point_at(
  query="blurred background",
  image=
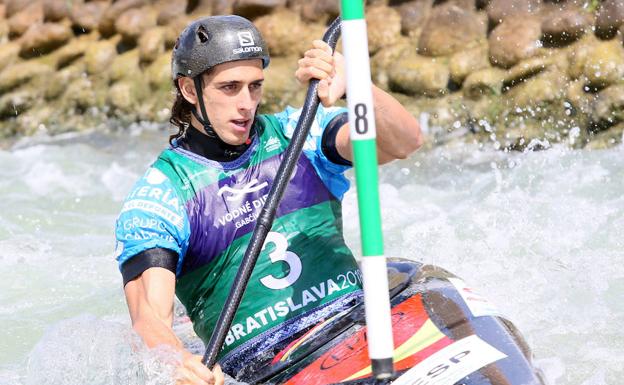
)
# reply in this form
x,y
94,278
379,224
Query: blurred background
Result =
x,y
517,190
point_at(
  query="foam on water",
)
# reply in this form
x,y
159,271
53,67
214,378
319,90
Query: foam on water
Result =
x,y
538,233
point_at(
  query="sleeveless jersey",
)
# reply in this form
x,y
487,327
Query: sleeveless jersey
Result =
x,y
206,210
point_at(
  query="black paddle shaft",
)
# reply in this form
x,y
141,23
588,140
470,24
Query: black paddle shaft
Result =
x,y
267,215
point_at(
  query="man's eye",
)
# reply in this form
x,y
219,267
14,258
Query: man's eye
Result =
x,y
228,87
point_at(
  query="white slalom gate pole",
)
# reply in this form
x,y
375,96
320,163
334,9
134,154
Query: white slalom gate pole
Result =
x,y
362,123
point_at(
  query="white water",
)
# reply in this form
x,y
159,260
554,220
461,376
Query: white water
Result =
x,y
539,233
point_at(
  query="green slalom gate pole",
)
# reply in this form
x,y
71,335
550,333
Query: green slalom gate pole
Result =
x,y
362,124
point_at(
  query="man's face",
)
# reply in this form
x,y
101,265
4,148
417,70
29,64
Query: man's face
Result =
x,y
232,92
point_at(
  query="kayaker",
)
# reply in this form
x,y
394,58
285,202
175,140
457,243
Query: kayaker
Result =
x,y
185,225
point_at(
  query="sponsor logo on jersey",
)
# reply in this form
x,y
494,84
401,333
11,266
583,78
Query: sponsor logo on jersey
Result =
x,y
154,176
342,283
235,194
272,144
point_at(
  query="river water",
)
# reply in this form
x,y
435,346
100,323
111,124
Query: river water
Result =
x,y
539,233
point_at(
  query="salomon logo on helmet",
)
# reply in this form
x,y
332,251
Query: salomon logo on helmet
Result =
x,y
245,38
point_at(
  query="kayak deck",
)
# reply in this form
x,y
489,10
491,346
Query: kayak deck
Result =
x,y
444,334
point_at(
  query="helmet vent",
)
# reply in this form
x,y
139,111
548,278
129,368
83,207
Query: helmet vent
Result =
x,y
202,34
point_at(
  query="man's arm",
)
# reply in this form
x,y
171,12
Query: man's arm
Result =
x,y
398,132
150,302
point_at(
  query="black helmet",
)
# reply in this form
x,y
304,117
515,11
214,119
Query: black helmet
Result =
x,y
213,40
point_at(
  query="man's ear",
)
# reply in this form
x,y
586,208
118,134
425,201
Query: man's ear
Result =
x,y
187,88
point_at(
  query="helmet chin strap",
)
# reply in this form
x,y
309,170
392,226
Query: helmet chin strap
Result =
x,y
204,118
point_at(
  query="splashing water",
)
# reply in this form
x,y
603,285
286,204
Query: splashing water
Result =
x,y
538,233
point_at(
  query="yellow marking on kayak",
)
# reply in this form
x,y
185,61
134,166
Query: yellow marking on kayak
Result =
x,y
427,335
305,338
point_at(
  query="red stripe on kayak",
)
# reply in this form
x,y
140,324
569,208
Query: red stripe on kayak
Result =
x,y
349,360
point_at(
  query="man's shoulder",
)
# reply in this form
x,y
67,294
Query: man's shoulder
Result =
x,y
288,119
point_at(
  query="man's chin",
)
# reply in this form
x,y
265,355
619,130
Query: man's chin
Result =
x,y
235,140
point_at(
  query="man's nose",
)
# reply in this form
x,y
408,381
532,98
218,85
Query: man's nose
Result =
x,y
246,100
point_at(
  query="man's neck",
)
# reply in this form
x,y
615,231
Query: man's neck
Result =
x,y
196,141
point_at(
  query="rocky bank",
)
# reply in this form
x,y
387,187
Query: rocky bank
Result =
x,y
517,73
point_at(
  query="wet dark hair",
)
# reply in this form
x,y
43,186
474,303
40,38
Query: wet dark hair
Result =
x,y
182,109
180,113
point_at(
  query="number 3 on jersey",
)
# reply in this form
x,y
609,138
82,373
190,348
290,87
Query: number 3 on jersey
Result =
x,y
281,254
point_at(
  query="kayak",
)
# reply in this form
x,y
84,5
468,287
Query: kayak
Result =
x,y
444,333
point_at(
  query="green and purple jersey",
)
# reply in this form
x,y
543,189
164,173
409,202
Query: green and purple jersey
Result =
x,y
205,211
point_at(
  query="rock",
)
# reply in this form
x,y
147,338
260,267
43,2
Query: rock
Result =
x,y
125,65
563,26
557,57
316,11
41,39
485,82
384,27
132,23
579,102
4,30
127,95
609,18
174,29
60,79
418,75
281,84
15,6
499,10
463,63
578,54
19,74
159,73
87,16
413,15
284,33
83,93
169,10
106,25
16,103
37,119
514,40
384,58
575,94
605,64
468,5
56,10
8,53
151,44
608,107
120,97
21,21
547,87
450,29
73,50
99,56
525,70
253,9
219,7
606,139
